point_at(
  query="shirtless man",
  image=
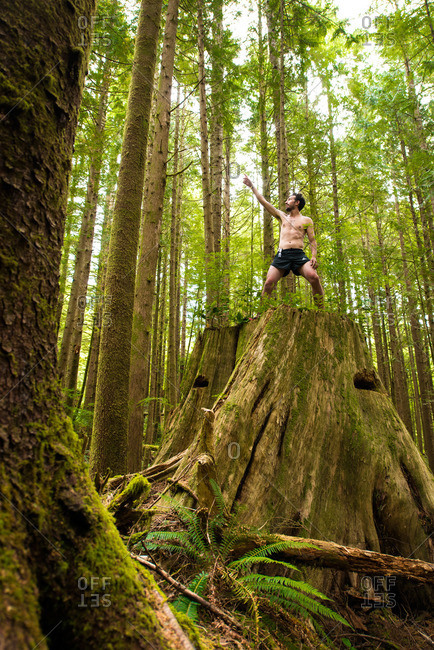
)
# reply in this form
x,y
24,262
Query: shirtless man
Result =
x,y
290,256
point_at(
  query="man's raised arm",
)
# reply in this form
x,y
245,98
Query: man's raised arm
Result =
x,y
270,208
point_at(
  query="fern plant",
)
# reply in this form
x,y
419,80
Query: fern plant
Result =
x,y
209,544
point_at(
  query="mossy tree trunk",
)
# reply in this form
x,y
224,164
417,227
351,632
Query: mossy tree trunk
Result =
x,y
66,579
110,430
150,241
307,439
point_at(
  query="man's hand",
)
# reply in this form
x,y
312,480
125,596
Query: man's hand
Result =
x,y
247,181
313,262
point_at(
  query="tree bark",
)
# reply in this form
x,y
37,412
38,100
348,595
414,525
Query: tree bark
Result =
x,y
268,233
204,156
307,439
331,555
110,431
173,334
150,241
55,534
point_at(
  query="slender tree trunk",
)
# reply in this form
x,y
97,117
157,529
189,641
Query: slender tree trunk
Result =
x,y
71,340
204,157
161,358
184,317
429,20
427,285
425,388
428,205
376,329
268,234
336,218
399,390
173,349
90,390
150,240
216,146
110,433
153,373
312,177
67,241
226,287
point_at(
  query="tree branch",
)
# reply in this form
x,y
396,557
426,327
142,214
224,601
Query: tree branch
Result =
x,y
190,594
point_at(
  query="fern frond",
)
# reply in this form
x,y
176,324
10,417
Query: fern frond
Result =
x,y
289,593
229,539
221,505
245,594
276,547
282,582
158,540
196,535
188,606
246,562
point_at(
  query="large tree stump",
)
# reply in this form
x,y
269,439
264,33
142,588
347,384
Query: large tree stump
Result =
x,y
210,366
307,439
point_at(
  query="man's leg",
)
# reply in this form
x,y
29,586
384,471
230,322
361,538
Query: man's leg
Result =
x,y
273,277
313,278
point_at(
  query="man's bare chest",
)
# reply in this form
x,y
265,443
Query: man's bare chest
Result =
x,y
293,226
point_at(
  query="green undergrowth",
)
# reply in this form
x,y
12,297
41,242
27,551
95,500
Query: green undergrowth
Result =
x,y
258,588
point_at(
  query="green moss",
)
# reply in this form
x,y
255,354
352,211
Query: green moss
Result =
x,y
138,487
191,630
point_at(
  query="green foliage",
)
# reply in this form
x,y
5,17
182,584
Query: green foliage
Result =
x,y
186,605
209,541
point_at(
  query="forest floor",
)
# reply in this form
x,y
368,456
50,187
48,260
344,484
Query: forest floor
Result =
x,y
374,624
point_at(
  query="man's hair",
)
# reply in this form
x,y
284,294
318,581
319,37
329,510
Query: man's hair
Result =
x,y
301,200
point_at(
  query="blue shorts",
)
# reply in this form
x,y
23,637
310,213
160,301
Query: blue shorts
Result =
x,y
290,259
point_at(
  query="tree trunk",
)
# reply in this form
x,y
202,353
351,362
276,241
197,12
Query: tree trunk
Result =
x,y
110,432
399,391
153,366
56,537
204,156
216,140
268,233
182,353
336,218
226,257
425,270
425,388
150,241
90,390
218,349
173,334
307,439
67,239
71,341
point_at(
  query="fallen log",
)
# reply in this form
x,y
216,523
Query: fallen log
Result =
x,y
335,556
